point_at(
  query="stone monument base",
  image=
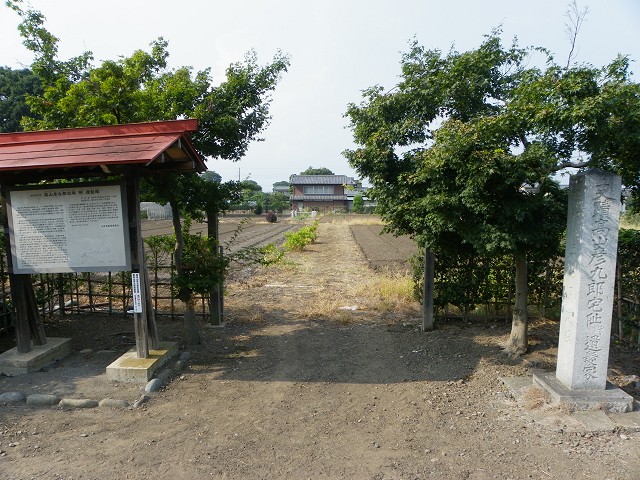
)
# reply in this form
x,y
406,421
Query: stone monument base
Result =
x,y
131,369
14,363
612,399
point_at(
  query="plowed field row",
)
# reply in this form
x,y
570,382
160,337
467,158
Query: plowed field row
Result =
x,y
253,233
384,251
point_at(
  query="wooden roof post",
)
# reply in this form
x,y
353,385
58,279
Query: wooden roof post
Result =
x,y
137,262
28,323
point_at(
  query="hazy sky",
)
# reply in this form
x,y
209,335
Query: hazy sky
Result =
x,y
337,49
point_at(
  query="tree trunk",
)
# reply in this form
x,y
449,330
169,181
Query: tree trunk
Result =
x,y
215,296
518,341
191,333
427,298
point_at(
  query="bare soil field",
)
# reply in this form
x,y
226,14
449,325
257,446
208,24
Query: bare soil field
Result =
x,y
314,376
235,231
383,251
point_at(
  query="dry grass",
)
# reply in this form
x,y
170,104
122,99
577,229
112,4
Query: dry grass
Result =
x,y
376,293
388,291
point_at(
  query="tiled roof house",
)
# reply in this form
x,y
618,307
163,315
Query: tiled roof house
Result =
x,y
323,193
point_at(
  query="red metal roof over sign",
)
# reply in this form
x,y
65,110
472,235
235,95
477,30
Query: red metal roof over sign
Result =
x,y
155,145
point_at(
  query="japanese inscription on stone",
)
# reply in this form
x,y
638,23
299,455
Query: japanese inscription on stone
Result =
x,y
66,229
590,261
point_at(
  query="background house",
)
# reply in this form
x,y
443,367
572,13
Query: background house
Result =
x,y
323,193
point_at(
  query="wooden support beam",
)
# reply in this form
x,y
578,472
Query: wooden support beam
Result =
x,y
29,326
137,262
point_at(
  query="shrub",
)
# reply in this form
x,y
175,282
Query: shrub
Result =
x,y
270,254
271,217
299,239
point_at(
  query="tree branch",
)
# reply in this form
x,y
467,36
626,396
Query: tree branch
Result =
x,y
564,165
572,27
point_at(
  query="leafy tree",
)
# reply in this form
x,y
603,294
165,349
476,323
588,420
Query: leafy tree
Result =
x,y
250,187
15,85
462,151
141,88
317,171
211,176
282,183
276,201
358,204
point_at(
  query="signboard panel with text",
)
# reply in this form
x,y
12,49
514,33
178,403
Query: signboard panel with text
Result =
x,y
70,228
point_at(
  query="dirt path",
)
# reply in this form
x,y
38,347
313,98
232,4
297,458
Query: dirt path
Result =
x,y
296,387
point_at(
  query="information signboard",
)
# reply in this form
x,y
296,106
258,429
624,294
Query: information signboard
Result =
x,y
70,228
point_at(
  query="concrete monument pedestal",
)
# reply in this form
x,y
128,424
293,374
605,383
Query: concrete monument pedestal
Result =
x,y
14,363
611,399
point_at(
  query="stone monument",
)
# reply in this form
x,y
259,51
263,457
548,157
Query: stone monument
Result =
x,y
587,298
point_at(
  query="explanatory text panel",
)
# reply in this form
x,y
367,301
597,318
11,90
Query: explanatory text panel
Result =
x,y
79,228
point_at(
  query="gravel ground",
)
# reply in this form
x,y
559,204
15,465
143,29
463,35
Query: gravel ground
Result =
x,y
314,378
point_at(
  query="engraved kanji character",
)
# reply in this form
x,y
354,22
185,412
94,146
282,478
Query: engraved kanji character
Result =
x,y
594,318
595,288
595,304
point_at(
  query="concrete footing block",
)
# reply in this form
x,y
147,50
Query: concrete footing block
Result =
x,y
13,363
131,369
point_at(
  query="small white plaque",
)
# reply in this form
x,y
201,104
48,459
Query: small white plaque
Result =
x,y
136,293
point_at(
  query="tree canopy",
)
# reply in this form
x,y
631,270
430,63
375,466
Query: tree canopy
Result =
x,y
317,171
461,153
15,85
141,88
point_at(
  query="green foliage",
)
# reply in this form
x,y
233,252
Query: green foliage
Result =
x,y
270,254
204,268
358,204
629,264
440,153
211,176
317,171
250,186
142,88
471,284
461,153
15,86
275,201
631,220
298,240
161,244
